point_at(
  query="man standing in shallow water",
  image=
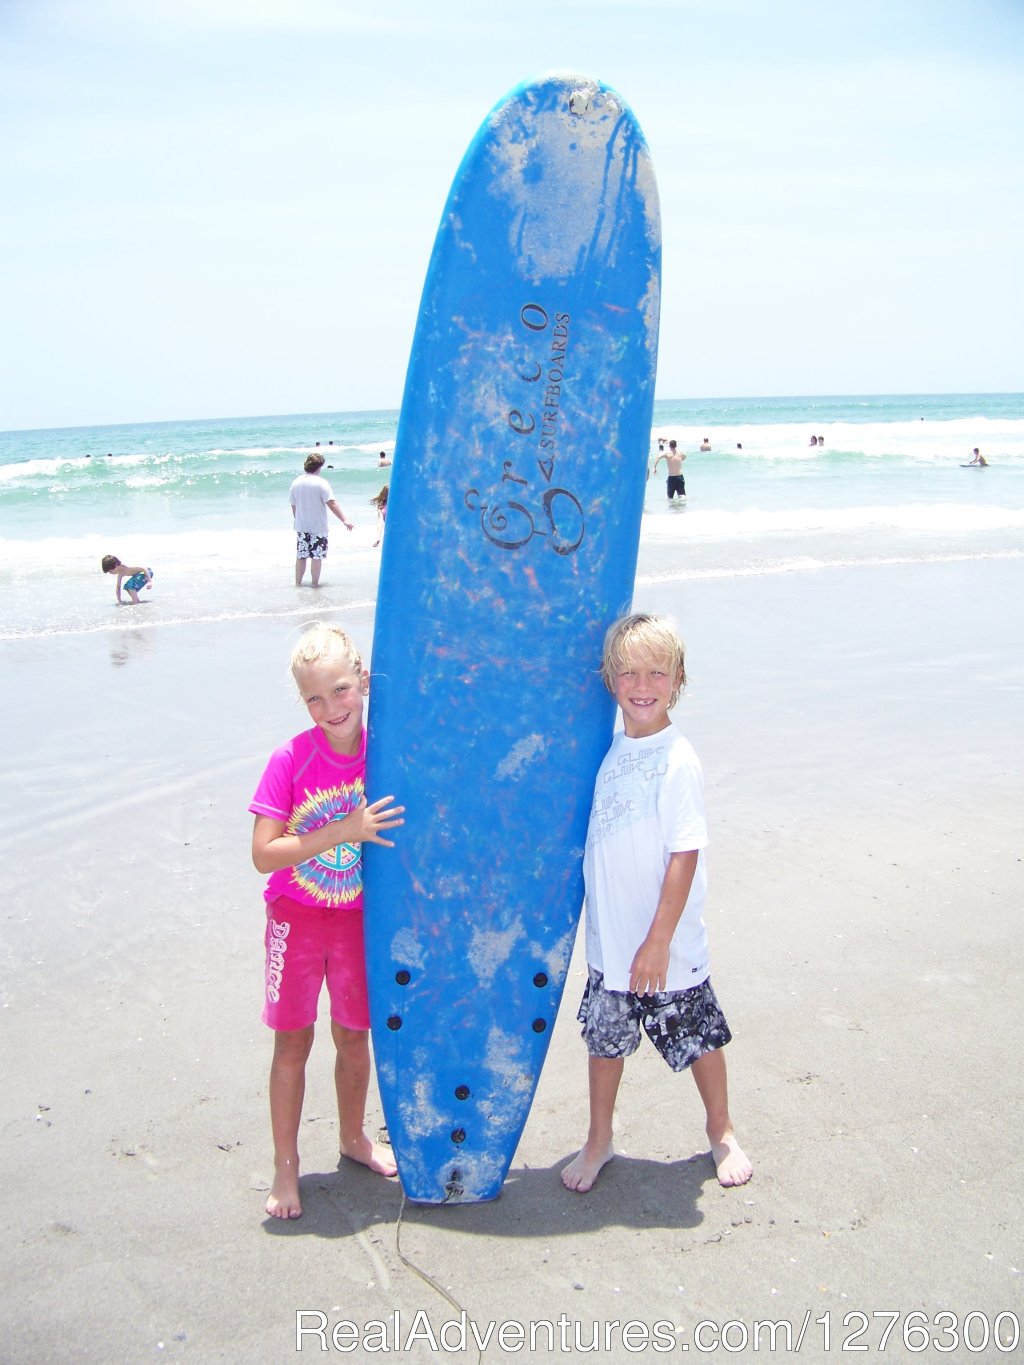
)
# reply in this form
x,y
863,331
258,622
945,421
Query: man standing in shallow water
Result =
x,y
310,497
675,484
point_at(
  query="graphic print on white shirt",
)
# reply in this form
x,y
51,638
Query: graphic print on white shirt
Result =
x,y
648,804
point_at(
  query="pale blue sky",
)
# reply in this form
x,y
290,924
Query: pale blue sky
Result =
x,y
226,207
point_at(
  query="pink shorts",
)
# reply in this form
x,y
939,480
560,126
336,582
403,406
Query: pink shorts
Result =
x,y
306,944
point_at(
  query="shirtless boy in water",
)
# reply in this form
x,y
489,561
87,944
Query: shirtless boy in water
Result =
x,y
131,577
675,483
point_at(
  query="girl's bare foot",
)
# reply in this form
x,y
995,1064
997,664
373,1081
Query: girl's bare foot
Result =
x,y
283,1200
583,1170
370,1154
731,1161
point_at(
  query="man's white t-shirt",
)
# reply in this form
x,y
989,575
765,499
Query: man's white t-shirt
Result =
x,y
648,804
309,495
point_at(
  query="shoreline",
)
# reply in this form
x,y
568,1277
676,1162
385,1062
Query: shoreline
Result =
x,y
861,742
206,505
79,605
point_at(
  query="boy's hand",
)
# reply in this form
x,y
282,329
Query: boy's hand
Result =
x,y
648,971
369,820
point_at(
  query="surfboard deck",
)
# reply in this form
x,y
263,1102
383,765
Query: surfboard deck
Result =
x,y
513,525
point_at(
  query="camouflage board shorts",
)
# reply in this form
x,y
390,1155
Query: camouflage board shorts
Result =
x,y
682,1025
309,546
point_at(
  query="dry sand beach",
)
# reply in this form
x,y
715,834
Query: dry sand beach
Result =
x,y
861,735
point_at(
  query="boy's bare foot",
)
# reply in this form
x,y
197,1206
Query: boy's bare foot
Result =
x,y
583,1170
731,1161
283,1200
370,1154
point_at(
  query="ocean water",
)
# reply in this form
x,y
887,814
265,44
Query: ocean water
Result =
x,y
205,503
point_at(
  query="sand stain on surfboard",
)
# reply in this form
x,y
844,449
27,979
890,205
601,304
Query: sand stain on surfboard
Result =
x,y
513,526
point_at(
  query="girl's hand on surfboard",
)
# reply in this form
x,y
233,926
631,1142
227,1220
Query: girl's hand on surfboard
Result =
x,y
373,818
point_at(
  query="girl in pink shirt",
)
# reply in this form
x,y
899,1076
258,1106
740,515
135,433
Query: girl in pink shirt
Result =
x,y
312,819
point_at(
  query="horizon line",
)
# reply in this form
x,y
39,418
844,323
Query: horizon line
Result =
x,y
396,411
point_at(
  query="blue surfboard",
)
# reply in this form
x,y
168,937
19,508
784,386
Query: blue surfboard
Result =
x,y
511,543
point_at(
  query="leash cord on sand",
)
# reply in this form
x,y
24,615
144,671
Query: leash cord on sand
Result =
x,y
427,1279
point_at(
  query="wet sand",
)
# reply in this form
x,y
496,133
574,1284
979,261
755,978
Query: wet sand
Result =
x,y
861,737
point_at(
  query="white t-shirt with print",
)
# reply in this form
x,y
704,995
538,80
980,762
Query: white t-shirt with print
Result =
x,y
648,804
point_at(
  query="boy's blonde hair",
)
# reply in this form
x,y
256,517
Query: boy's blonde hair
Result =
x,y
323,640
640,638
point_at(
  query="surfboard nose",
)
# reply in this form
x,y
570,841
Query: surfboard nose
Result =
x,y
579,100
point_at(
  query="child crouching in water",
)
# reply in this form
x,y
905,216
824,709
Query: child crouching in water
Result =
x,y
312,818
647,948
130,577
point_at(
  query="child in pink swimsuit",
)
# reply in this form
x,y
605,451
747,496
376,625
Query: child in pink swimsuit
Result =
x,y
312,819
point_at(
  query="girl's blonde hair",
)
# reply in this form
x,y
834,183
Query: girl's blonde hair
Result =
x,y
640,638
323,640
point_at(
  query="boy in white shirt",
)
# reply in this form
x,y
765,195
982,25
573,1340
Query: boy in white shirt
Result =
x,y
647,949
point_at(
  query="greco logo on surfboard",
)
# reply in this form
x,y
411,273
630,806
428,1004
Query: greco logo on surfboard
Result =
x,y
517,509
